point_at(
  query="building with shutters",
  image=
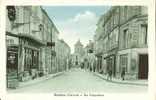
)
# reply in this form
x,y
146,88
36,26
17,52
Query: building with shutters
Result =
x,y
30,38
121,42
133,44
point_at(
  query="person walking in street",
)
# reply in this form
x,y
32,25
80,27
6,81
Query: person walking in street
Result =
x,y
123,74
109,77
110,74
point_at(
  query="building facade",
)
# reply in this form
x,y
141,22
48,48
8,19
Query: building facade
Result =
x,y
133,45
26,30
78,53
121,33
89,57
31,39
62,55
51,37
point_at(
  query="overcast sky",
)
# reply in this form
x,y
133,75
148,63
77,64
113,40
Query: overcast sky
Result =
x,y
75,22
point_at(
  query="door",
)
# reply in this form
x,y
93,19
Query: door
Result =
x,y
143,66
113,65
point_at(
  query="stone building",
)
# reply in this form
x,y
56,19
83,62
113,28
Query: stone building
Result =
x,y
31,38
26,30
121,33
100,45
62,55
89,56
133,45
78,53
51,37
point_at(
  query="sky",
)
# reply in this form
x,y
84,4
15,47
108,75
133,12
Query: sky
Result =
x,y
75,22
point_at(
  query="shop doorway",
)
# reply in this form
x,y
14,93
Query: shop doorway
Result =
x,y
143,66
99,64
12,59
12,67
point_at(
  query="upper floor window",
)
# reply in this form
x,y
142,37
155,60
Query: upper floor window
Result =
x,y
144,33
125,33
125,12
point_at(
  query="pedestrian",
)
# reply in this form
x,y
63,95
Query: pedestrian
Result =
x,y
109,76
123,74
82,65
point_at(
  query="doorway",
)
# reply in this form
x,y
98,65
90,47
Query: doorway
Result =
x,y
143,66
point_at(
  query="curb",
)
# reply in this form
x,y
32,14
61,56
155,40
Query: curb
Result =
x,y
39,80
125,83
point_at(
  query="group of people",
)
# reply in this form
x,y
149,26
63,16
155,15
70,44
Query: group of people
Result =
x,y
109,74
91,66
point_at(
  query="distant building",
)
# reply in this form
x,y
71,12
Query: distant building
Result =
x,y
78,53
62,55
89,56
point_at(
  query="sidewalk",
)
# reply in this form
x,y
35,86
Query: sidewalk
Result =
x,y
40,79
119,81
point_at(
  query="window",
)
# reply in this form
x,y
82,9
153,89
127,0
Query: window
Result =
x,y
123,62
125,13
34,59
125,32
10,41
144,33
31,59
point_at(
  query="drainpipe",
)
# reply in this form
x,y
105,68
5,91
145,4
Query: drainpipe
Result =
x,y
51,49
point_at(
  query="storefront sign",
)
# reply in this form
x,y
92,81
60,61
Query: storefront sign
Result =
x,y
12,57
50,43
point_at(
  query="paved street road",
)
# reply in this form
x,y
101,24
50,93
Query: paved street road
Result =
x,y
77,80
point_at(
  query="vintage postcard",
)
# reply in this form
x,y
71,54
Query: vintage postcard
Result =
x,y
95,50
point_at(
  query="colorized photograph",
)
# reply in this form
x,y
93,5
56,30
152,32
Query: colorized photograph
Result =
x,y
54,49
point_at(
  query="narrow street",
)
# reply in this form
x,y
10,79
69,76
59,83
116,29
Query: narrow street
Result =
x,y
78,80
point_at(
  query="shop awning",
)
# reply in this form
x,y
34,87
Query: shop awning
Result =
x,y
27,36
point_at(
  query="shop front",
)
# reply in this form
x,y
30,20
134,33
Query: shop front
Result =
x,y
135,63
31,61
30,57
12,60
12,66
111,62
99,62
